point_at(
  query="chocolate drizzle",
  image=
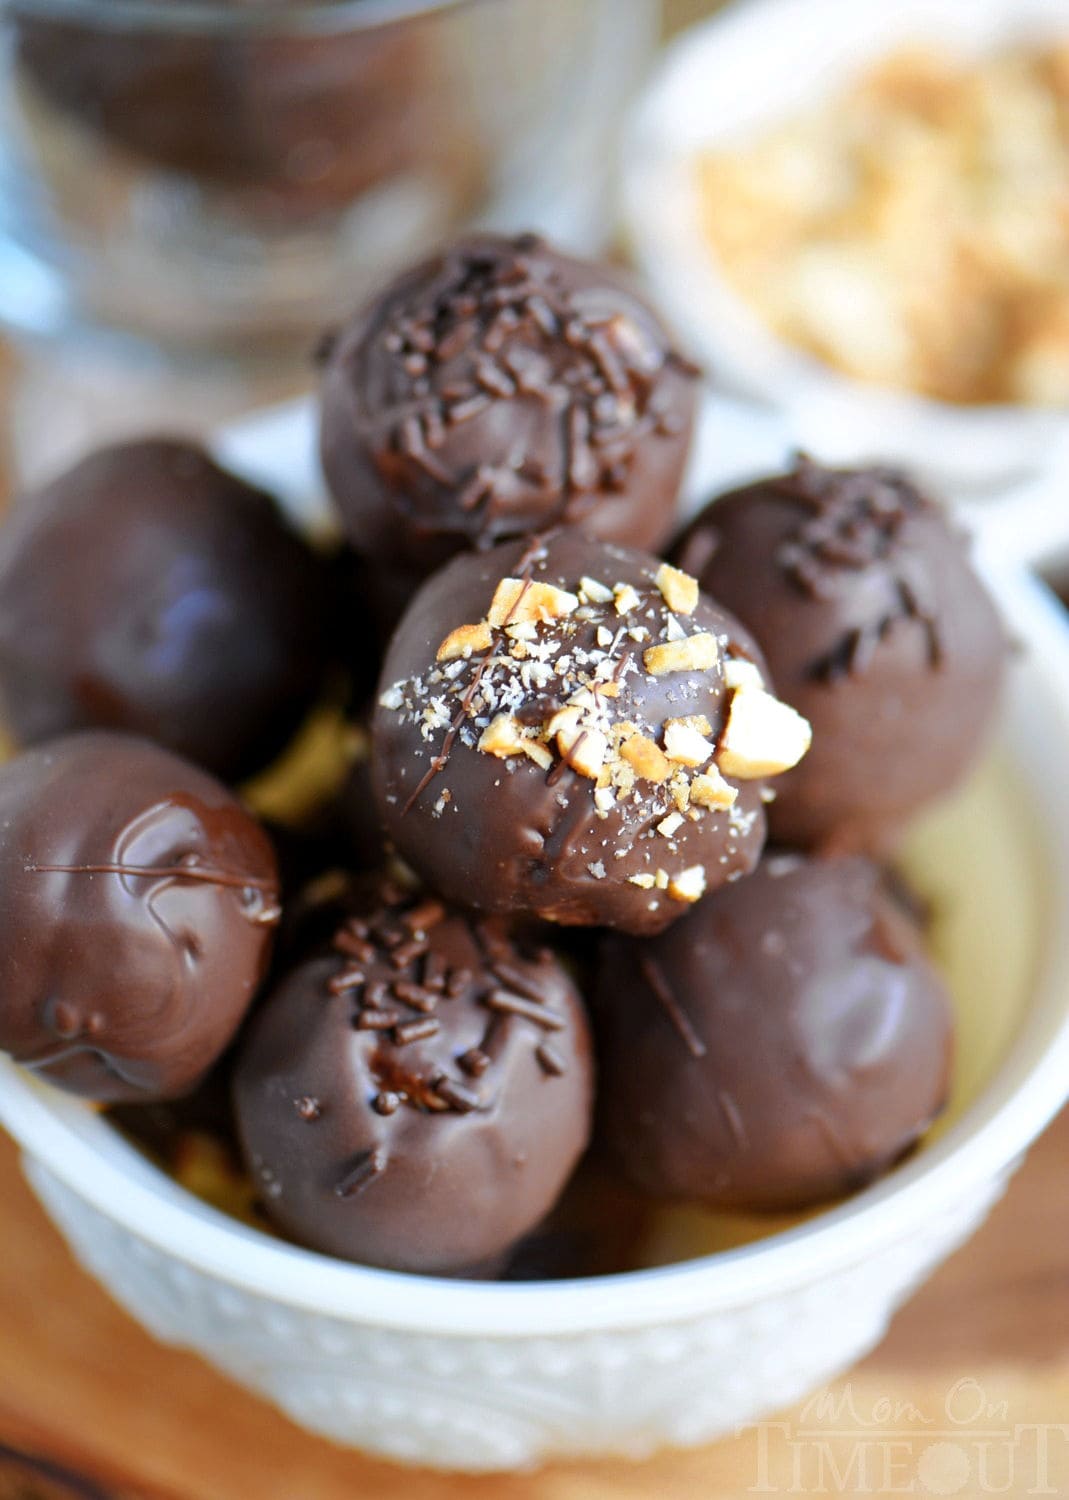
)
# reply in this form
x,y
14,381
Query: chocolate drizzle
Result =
x,y
666,997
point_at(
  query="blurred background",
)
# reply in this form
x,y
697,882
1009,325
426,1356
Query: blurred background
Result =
x,y
191,192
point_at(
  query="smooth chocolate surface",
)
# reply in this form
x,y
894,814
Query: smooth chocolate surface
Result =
x,y
784,1044
860,594
499,388
530,832
138,902
416,1097
148,590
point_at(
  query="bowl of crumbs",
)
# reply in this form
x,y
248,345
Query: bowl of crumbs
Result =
x,y
860,214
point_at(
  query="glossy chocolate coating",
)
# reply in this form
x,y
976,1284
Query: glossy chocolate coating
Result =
x,y
147,590
874,626
496,389
138,902
417,1097
783,1045
512,835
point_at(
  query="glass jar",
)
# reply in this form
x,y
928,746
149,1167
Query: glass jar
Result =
x,y
231,175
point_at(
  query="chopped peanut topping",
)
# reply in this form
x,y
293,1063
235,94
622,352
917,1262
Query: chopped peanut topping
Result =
x,y
678,589
670,825
685,742
584,750
515,603
594,592
541,754
688,885
711,790
504,737
644,882
626,598
739,673
762,736
465,640
645,758
564,720
695,654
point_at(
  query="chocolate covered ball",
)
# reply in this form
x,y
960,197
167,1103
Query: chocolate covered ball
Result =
x,y
417,1096
875,627
148,590
138,901
785,1044
499,388
568,729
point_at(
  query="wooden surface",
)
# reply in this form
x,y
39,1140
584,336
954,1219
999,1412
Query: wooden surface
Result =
x,y
80,1381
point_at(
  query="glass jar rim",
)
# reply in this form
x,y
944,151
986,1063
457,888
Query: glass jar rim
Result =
x,y
227,18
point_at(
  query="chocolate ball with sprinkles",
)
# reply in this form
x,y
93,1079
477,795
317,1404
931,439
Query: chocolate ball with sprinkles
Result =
x,y
416,1096
497,389
875,627
783,1045
138,905
570,730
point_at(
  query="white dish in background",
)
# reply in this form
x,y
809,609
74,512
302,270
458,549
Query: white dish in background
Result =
x,y
726,79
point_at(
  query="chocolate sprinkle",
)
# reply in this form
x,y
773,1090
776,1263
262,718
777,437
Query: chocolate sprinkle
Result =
x,y
515,1005
363,1171
416,1031
551,1060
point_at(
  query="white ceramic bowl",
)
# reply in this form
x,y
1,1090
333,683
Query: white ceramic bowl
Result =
x,y
484,1376
726,79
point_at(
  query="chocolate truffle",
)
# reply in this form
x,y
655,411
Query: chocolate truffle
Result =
x,y
568,729
498,388
874,626
147,590
138,902
783,1045
417,1096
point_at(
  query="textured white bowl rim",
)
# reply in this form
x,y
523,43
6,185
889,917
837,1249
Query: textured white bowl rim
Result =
x,y
1025,1094
682,105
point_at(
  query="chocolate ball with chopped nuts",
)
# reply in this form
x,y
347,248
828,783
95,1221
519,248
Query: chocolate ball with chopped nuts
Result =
x,y
785,1044
417,1096
875,627
498,388
570,730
